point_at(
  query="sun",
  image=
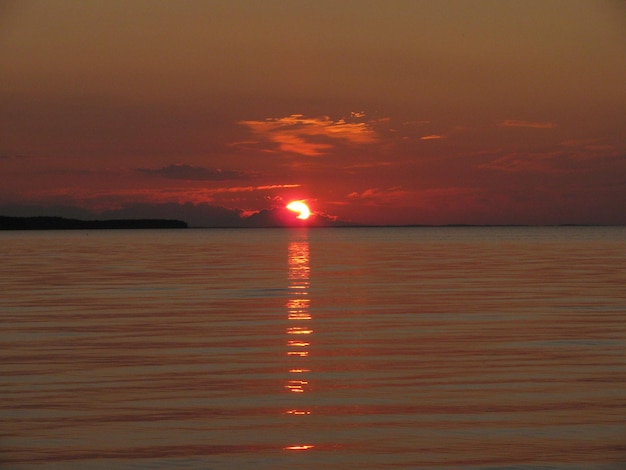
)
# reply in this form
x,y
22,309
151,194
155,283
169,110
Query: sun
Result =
x,y
300,206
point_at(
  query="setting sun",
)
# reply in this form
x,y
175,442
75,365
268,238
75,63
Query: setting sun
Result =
x,y
301,207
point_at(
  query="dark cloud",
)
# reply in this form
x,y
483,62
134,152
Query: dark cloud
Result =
x,y
285,218
188,172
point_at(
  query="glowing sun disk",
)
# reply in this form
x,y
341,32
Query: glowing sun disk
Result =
x,y
301,208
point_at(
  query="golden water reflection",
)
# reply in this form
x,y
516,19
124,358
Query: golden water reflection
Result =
x,y
298,330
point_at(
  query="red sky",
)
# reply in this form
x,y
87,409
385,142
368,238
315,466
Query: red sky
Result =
x,y
383,112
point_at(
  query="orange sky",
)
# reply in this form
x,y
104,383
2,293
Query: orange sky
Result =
x,y
378,112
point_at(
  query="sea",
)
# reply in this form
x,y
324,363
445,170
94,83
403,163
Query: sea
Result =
x,y
320,348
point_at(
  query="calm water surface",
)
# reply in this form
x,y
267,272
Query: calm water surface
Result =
x,y
329,348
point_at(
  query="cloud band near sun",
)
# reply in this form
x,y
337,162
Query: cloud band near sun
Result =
x,y
311,136
192,173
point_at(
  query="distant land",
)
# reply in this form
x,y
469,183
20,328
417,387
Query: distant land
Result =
x,y
61,223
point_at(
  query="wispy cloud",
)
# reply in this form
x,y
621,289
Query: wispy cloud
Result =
x,y
520,162
420,197
528,124
99,199
431,137
187,172
574,155
380,195
590,146
238,189
312,136
364,165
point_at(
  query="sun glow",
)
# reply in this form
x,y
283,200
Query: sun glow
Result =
x,y
301,208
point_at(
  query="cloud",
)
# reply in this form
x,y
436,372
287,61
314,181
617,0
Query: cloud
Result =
x,y
390,195
528,124
238,189
109,199
281,217
409,205
515,162
312,136
187,172
431,137
365,165
589,146
398,196
556,162
184,193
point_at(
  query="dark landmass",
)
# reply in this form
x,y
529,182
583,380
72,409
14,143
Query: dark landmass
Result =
x,y
264,219
61,223
204,215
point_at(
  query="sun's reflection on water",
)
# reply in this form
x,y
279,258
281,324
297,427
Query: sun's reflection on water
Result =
x,y
298,330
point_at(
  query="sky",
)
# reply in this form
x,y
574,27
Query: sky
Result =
x,y
371,111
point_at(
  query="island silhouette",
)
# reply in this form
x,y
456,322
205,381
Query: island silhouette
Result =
x,y
62,223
